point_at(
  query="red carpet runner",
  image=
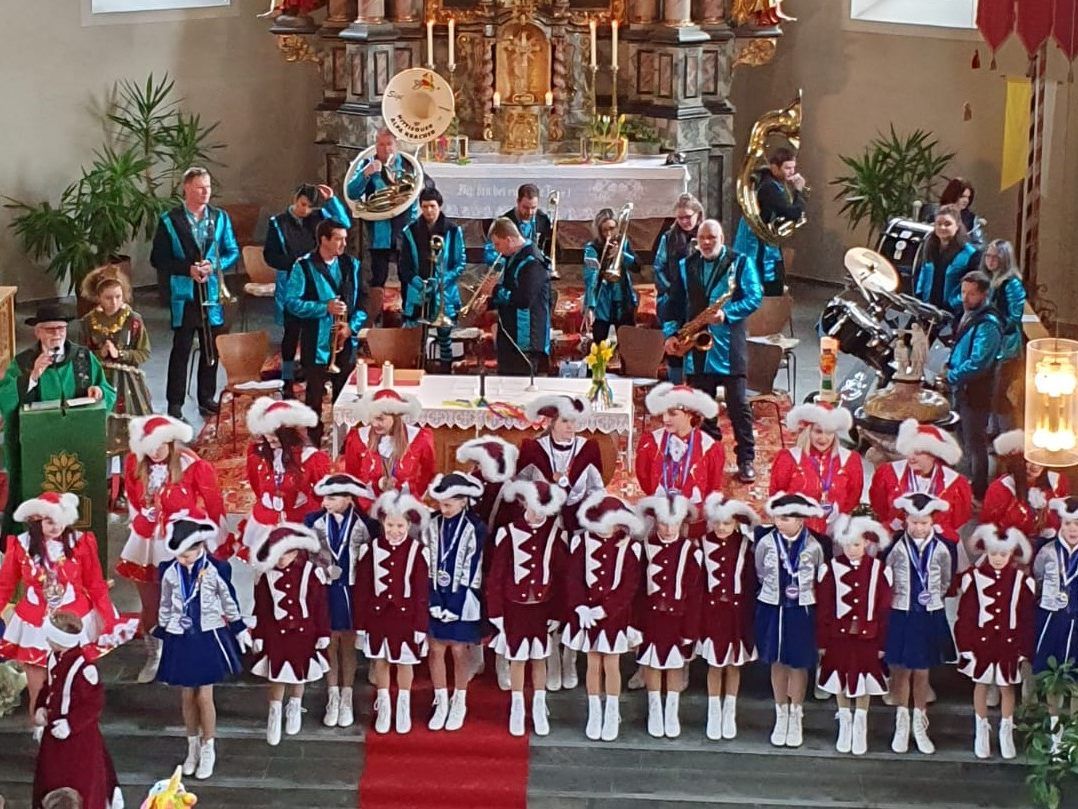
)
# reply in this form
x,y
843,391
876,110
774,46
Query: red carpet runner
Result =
x,y
478,766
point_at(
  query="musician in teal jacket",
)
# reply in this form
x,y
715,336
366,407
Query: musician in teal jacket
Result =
x,y
325,291
673,246
705,275
422,288
608,303
1007,295
193,243
948,255
522,301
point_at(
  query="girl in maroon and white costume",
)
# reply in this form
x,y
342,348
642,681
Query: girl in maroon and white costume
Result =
x,y
668,606
819,465
1019,497
601,580
161,478
994,630
291,629
282,467
727,607
391,603
523,589
854,599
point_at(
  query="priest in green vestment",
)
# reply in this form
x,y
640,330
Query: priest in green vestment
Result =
x,y
52,369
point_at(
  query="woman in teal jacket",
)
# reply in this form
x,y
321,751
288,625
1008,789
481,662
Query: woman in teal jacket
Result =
x,y
948,255
1008,295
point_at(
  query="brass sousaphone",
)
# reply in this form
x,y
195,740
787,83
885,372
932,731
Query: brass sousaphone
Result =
x,y
417,107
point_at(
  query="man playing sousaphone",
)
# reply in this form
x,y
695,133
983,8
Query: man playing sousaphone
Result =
x,y
712,294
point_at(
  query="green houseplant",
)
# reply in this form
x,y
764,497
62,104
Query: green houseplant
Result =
x,y
1052,752
131,180
886,179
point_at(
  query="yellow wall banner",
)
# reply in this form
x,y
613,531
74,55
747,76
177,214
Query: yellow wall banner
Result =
x,y
1015,132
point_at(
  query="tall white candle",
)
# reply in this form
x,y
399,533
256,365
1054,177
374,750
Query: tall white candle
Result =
x,y
614,43
452,44
497,99
549,99
361,376
387,374
430,43
591,25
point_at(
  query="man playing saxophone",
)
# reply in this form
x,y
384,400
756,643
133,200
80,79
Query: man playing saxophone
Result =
x,y
609,296
325,291
522,301
706,275
429,290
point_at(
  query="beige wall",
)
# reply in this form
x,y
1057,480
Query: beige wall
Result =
x,y
856,83
57,71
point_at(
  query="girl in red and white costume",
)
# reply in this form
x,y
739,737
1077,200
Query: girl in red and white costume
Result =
x,y
391,603
388,453
680,458
494,462
523,593
994,630
58,569
1019,497
819,465
161,478
282,467
727,607
667,607
929,455
600,583
853,600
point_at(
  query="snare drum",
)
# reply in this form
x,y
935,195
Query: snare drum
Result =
x,y
901,243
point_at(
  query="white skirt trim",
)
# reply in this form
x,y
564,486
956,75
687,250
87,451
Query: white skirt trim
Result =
x,y
529,649
316,667
625,640
867,686
737,655
649,656
993,675
145,551
26,635
409,655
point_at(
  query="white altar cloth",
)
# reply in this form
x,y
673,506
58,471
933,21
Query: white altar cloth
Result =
x,y
487,186
449,401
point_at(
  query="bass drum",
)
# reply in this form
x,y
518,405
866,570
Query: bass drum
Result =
x,y
901,243
857,333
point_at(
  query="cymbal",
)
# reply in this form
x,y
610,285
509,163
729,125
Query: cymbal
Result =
x,y
870,270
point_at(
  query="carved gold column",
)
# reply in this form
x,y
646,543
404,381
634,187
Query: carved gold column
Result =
x,y
486,83
556,129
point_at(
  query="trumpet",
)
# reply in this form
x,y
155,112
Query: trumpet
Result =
x,y
480,295
614,249
440,320
338,335
552,203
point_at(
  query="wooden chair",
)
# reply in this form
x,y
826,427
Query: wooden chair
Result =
x,y
641,353
262,279
764,360
402,347
242,355
774,321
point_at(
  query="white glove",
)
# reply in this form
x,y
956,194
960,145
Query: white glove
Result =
x,y
60,729
256,646
322,643
419,637
41,718
587,620
245,641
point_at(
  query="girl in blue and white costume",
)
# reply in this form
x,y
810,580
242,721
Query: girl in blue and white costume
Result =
x,y
454,540
788,557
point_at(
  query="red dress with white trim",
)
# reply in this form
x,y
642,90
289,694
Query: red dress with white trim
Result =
x,y
150,507
604,573
668,605
282,493
728,603
853,602
73,752
835,479
576,467
391,600
692,466
415,468
892,480
291,624
994,629
69,581
522,588
1032,517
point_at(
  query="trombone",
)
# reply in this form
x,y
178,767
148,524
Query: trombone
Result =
x,y
338,338
206,342
437,279
481,293
552,203
614,250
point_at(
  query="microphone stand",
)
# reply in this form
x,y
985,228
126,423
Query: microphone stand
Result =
x,y
532,388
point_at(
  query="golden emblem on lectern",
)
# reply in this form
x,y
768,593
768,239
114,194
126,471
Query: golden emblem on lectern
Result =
x,y
65,472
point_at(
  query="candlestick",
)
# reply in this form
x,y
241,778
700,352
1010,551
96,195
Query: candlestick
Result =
x,y
430,44
591,26
614,96
497,99
548,99
452,44
614,44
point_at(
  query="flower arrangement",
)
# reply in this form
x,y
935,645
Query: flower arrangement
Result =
x,y
597,360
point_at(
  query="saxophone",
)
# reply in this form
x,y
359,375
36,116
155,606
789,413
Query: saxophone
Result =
x,y
696,334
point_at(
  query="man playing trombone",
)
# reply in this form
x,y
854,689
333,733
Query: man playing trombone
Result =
x,y
532,224
431,293
325,291
522,301
194,244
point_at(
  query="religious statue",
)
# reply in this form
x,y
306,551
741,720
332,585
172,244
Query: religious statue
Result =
x,y
918,351
522,48
523,64
761,13
902,355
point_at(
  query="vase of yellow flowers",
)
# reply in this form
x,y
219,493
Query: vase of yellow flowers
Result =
x,y
599,394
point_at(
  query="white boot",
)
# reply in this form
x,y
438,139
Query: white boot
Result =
x,y
782,724
346,718
540,716
553,670
383,715
479,660
404,711
636,682
729,717
611,719
333,707
569,679
273,724
207,758
501,669
191,762
293,716
714,718
671,722
982,743
153,660
594,729
656,727
441,709
845,730
458,709
794,733
1006,737
860,732
920,732
992,697
900,743
516,713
